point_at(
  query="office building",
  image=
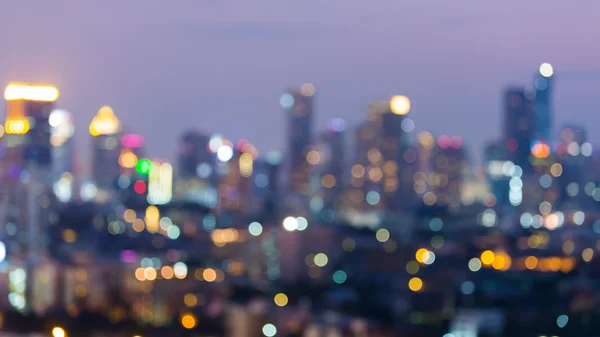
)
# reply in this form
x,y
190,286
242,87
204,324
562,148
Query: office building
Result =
x,y
298,104
519,126
106,131
543,103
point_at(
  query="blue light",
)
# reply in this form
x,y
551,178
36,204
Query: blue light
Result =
x,y
261,180
286,100
373,198
436,224
339,276
562,321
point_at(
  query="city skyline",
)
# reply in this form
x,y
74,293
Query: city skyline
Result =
x,y
268,53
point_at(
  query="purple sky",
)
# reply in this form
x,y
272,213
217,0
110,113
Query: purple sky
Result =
x,y
221,65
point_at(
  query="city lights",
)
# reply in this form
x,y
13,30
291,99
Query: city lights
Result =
x,y
30,92
400,105
546,70
104,123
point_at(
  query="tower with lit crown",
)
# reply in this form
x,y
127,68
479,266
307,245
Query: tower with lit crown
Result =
x,y
26,171
543,103
105,129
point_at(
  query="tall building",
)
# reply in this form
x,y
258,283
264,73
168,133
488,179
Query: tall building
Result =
x,y
519,126
298,105
385,162
329,161
265,195
26,172
62,129
133,181
236,167
194,155
543,103
105,129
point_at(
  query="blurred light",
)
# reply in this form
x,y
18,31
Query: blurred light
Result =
x,y
104,123
255,229
2,252
339,276
348,244
474,264
246,164
88,191
188,321
429,258
587,254
167,272
190,300
586,149
407,125
531,262
415,284
132,141
321,260
58,332
143,166
139,187
128,159
382,235
281,300
546,70
400,105
487,257
209,275
150,273
420,254
225,153
412,267
29,92
302,223
467,287
562,321
269,330
436,224
307,89
540,150
578,217
180,269
373,198
17,126
286,100
290,223
556,169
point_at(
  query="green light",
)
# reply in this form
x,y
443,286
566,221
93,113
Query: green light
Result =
x,y
143,166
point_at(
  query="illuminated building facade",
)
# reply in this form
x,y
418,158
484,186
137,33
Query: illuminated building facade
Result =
x,y
329,167
445,181
26,168
298,105
106,131
160,182
543,103
133,180
266,193
519,126
236,167
573,154
385,162
194,154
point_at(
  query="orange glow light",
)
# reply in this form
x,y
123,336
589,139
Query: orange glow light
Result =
x,y
540,150
30,92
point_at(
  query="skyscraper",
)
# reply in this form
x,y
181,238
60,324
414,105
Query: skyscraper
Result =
x,y
193,155
298,105
519,126
105,129
328,160
543,103
26,177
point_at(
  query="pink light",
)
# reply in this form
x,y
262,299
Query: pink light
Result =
x,y
128,256
444,141
456,142
132,141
